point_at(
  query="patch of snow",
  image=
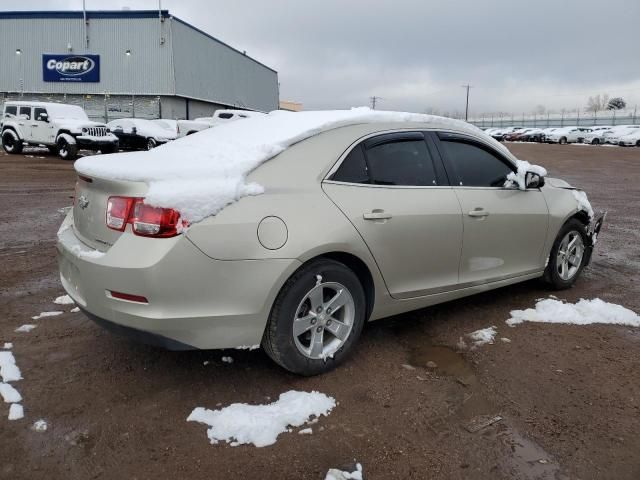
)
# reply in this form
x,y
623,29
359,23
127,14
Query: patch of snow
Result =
x,y
248,347
8,346
584,312
505,340
47,314
519,178
483,336
335,474
583,202
64,300
16,412
9,371
215,162
25,328
261,424
40,425
74,310
305,431
227,359
9,393
318,279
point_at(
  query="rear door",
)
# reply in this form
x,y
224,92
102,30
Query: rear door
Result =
x,y
504,228
394,191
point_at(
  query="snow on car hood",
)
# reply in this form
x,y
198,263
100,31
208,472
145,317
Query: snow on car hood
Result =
x,y
200,174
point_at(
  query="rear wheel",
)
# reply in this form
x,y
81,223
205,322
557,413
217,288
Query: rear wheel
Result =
x,y
66,150
567,257
563,141
595,141
151,144
10,142
316,318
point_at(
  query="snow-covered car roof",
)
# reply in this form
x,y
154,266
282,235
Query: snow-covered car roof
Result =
x,y
200,174
144,128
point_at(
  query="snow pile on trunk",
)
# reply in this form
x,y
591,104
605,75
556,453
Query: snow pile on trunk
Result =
x,y
240,423
335,474
583,202
483,336
200,174
585,312
519,178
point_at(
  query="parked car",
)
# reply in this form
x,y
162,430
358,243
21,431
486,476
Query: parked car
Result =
x,y
383,238
538,135
500,134
515,135
63,129
566,135
613,135
531,135
140,134
596,135
168,124
188,127
631,139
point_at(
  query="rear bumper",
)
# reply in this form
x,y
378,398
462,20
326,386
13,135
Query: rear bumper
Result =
x,y
193,301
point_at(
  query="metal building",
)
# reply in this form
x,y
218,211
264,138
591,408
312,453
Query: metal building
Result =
x,y
144,63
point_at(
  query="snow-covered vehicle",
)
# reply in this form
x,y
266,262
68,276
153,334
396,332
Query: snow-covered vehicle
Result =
x,y
630,140
187,127
566,135
167,123
346,217
596,135
613,135
140,134
63,129
502,132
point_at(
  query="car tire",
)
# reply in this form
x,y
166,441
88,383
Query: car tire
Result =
x,y
53,149
638,143
151,143
562,271
595,141
66,150
10,143
294,349
563,141
109,149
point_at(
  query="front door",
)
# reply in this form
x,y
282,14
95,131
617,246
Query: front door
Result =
x,y
504,228
41,128
397,197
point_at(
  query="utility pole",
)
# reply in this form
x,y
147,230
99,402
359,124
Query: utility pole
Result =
x,y
374,100
466,111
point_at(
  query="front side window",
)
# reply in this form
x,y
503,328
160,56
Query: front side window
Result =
x,y
474,166
10,111
38,111
25,112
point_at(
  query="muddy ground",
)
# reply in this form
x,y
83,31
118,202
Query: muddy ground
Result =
x,y
569,396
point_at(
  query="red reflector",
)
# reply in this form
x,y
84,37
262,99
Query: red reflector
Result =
x,y
129,297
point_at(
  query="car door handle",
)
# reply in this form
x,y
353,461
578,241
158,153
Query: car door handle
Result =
x,y
478,212
376,214
34,124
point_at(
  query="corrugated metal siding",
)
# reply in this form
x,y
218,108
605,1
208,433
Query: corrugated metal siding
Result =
x,y
148,69
207,69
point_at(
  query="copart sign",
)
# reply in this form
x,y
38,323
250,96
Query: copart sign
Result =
x,y
70,68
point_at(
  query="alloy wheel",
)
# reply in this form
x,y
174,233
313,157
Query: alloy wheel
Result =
x,y
570,253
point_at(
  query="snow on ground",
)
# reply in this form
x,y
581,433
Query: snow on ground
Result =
x,y
25,328
9,394
8,346
227,359
335,474
484,336
305,431
16,412
47,314
64,300
40,425
583,202
74,310
240,423
584,312
9,371
215,162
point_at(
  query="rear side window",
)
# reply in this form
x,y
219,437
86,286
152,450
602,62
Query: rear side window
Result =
x,y
26,111
404,162
353,169
474,166
10,111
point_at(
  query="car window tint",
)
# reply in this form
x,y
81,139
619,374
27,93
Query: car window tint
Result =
x,y
401,162
38,111
10,110
353,169
26,111
475,166
225,116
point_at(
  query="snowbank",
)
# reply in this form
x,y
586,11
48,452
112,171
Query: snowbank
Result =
x,y
240,423
585,312
198,175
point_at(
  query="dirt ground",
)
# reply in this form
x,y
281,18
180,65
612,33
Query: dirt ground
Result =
x,y
569,396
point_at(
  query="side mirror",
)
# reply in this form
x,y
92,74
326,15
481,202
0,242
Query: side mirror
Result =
x,y
533,180
43,117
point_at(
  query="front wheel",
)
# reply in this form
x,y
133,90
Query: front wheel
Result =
x,y
66,150
563,141
151,144
11,143
595,141
567,257
316,318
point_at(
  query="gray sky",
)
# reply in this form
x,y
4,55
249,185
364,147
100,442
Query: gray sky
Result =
x,y
416,54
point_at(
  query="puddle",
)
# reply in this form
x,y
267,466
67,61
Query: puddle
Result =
x,y
447,362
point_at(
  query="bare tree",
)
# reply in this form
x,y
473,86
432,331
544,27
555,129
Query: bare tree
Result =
x,y
597,103
540,110
616,103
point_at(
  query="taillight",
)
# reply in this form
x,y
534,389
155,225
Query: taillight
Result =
x,y
146,221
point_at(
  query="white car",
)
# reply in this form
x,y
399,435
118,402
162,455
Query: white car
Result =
x,y
630,140
168,124
188,127
566,135
614,135
63,129
596,135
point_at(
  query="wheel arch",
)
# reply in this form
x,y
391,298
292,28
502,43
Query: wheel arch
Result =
x,y
13,129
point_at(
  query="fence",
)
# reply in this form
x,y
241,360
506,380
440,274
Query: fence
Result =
x,y
609,118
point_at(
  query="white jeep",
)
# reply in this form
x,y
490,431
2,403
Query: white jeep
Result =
x,y
63,129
